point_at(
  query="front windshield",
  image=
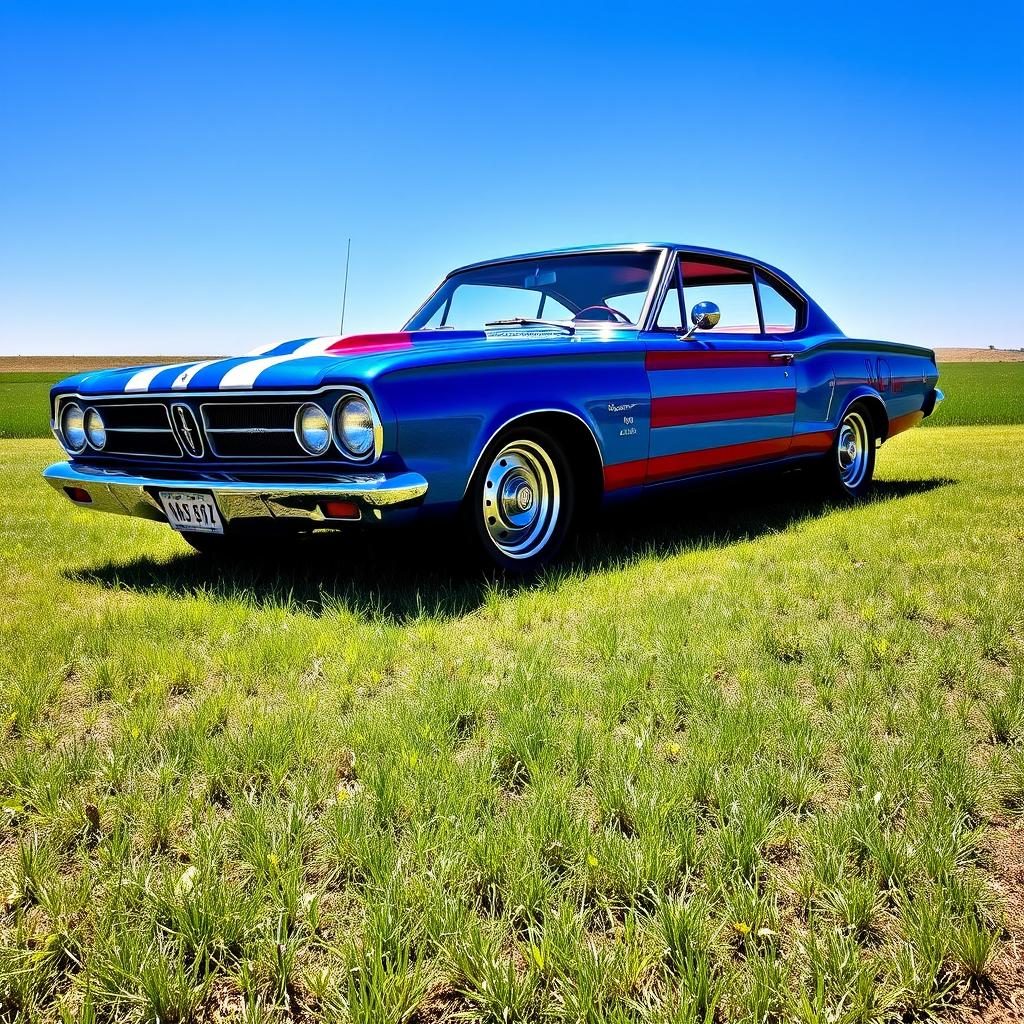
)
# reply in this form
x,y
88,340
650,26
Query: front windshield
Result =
x,y
603,287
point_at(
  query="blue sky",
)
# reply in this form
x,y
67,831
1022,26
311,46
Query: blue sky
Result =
x,y
182,178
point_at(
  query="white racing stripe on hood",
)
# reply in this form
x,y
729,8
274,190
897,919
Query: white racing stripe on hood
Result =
x,y
182,380
245,374
140,381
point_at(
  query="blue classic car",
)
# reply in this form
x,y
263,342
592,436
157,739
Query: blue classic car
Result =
x,y
519,396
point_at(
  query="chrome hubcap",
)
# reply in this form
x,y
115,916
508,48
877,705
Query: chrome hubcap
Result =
x,y
852,449
520,499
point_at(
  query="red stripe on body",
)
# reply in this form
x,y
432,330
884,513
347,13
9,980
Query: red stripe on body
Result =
x,y
664,467
900,423
367,344
709,359
667,467
625,474
733,405
815,441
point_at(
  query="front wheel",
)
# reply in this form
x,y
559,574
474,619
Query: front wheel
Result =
x,y
521,500
849,467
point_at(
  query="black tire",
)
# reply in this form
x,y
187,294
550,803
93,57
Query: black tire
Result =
x,y
521,502
848,470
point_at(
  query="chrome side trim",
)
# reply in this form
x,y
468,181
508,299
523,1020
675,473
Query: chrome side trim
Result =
x,y
526,415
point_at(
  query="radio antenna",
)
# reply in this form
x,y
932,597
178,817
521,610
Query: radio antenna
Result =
x,y
344,293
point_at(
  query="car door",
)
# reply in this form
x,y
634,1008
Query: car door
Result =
x,y
720,398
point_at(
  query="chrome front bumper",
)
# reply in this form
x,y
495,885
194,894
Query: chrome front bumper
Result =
x,y
113,490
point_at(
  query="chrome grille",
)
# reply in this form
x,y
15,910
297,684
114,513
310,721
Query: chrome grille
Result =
x,y
250,416
252,430
137,428
234,427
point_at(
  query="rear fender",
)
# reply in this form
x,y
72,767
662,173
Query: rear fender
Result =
x,y
875,405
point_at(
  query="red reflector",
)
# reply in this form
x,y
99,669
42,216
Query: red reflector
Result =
x,y
78,494
341,510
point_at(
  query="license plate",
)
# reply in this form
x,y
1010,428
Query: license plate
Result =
x,y
191,511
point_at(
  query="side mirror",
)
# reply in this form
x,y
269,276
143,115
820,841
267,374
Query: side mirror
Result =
x,y
704,316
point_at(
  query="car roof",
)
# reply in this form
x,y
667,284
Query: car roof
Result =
x,y
614,247
817,319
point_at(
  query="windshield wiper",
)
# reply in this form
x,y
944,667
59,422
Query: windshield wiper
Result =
x,y
526,321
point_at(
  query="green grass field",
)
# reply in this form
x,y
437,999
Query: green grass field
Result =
x,y
25,404
990,393
744,757
980,393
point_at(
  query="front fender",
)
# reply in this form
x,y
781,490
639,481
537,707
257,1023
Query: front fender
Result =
x,y
446,416
522,411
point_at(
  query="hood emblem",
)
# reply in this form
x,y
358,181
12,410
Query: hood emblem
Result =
x,y
186,429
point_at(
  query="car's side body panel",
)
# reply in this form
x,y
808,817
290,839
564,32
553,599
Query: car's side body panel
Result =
x,y
599,384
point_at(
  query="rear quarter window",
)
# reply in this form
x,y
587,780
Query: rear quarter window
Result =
x,y
782,315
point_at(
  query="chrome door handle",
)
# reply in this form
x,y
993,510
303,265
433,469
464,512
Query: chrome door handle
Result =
x,y
782,357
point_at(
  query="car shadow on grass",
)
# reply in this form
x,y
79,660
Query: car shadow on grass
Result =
x,y
400,575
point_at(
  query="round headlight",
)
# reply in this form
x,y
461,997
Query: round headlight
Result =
x,y
72,427
313,429
355,427
95,429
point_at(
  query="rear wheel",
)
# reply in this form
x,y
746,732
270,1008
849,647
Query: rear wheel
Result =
x,y
521,500
849,467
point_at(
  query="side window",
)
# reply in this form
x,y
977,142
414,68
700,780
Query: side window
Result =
x,y
671,318
739,311
736,303
780,315
728,286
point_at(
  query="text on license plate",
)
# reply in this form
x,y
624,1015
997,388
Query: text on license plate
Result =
x,y
191,511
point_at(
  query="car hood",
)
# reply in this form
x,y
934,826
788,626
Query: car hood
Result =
x,y
313,362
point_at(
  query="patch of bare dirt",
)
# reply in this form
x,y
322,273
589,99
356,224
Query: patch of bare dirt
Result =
x,y
979,355
1003,1001
441,1006
76,364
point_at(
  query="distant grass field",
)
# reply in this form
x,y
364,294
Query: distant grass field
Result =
x,y
24,404
980,393
976,393
745,757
